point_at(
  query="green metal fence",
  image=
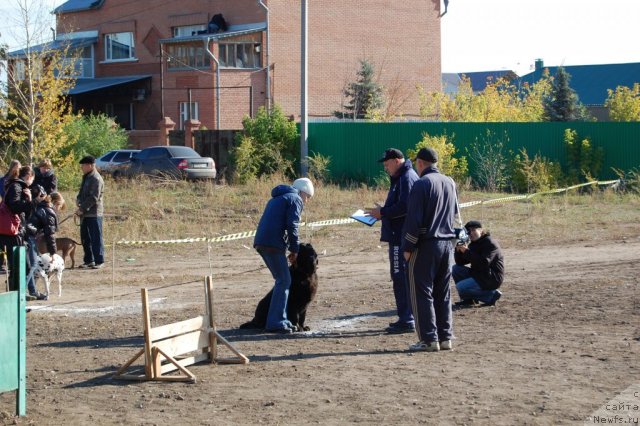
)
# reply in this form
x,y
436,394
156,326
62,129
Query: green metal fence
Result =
x,y
354,147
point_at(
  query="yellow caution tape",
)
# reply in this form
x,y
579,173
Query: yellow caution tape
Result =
x,y
328,222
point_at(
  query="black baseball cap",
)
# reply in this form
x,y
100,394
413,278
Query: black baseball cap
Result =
x,y
428,154
391,153
473,224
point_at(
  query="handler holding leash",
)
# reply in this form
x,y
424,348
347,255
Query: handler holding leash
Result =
x,y
392,215
90,211
428,231
277,230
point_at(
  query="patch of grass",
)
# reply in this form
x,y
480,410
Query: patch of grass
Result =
x,y
150,210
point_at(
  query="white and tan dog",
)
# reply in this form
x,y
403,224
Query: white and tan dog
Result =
x,y
45,267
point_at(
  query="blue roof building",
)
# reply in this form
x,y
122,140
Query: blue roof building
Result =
x,y
591,82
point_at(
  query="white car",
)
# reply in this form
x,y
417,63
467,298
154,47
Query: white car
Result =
x,y
112,159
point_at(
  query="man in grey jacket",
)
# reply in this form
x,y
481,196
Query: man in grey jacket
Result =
x,y
90,210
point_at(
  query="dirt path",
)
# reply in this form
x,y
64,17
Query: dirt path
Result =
x,y
562,342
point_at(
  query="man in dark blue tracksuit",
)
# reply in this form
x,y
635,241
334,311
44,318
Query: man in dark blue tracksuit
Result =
x,y
392,215
428,230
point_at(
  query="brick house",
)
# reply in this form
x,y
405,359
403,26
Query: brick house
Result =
x,y
143,61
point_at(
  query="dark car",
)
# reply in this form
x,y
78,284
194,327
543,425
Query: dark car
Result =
x,y
178,162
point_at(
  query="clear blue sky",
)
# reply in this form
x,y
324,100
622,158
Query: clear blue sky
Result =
x,y
486,35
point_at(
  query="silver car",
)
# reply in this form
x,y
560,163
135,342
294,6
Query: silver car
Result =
x,y
112,159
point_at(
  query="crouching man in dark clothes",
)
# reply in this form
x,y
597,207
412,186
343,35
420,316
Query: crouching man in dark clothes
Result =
x,y
481,281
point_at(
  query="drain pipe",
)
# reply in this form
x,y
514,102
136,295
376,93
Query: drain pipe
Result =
x,y
210,53
268,86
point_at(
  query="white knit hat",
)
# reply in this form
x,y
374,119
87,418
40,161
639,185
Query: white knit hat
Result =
x,y
304,185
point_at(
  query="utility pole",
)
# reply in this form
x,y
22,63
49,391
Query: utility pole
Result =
x,y
304,113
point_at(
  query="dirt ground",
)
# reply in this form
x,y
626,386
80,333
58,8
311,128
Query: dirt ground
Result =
x,y
562,341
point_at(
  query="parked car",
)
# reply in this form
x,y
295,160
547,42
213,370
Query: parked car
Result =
x,y
178,162
109,161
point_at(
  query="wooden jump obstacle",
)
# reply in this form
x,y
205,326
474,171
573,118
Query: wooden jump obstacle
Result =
x,y
165,346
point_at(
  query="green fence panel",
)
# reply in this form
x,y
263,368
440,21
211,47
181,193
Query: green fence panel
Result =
x,y
354,147
13,341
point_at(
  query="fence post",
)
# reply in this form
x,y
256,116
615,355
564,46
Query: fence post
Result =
x,y
190,126
165,125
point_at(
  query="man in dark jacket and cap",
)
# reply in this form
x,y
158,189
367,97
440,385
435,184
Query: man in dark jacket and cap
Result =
x,y
277,232
392,215
91,210
482,280
426,242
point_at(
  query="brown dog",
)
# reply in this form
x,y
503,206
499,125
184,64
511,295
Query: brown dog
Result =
x,y
65,245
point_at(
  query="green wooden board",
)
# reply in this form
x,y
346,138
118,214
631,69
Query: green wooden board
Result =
x,y
13,335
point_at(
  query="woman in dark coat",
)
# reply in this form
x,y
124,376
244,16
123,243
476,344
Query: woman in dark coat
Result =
x,y
43,221
12,173
18,199
45,176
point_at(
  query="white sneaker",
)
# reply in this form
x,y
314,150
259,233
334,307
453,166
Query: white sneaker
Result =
x,y
446,345
425,347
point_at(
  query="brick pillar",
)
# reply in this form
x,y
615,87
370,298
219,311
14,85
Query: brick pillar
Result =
x,y
165,126
190,126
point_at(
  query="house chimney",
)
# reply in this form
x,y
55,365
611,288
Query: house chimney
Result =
x,y
539,64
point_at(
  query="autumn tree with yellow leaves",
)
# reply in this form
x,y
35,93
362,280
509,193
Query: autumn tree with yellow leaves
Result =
x,y
37,78
624,103
501,101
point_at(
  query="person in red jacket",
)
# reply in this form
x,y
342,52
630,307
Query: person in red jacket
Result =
x,y
480,281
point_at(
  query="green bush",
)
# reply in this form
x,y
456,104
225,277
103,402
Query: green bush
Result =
x,y
447,164
491,163
529,175
267,145
629,181
318,167
90,135
95,135
584,161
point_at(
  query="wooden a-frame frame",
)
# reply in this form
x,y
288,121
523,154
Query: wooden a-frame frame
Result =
x,y
164,345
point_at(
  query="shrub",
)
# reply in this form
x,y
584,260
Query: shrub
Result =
x,y
629,181
584,161
266,146
449,165
318,167
535,174
491,163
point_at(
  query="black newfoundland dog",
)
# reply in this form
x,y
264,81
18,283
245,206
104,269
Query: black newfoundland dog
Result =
x,y
304,284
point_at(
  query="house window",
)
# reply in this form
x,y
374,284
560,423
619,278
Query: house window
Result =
x,y
122,114
82,65
119,47
240,55
19,70
188,30
184,112
185,56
